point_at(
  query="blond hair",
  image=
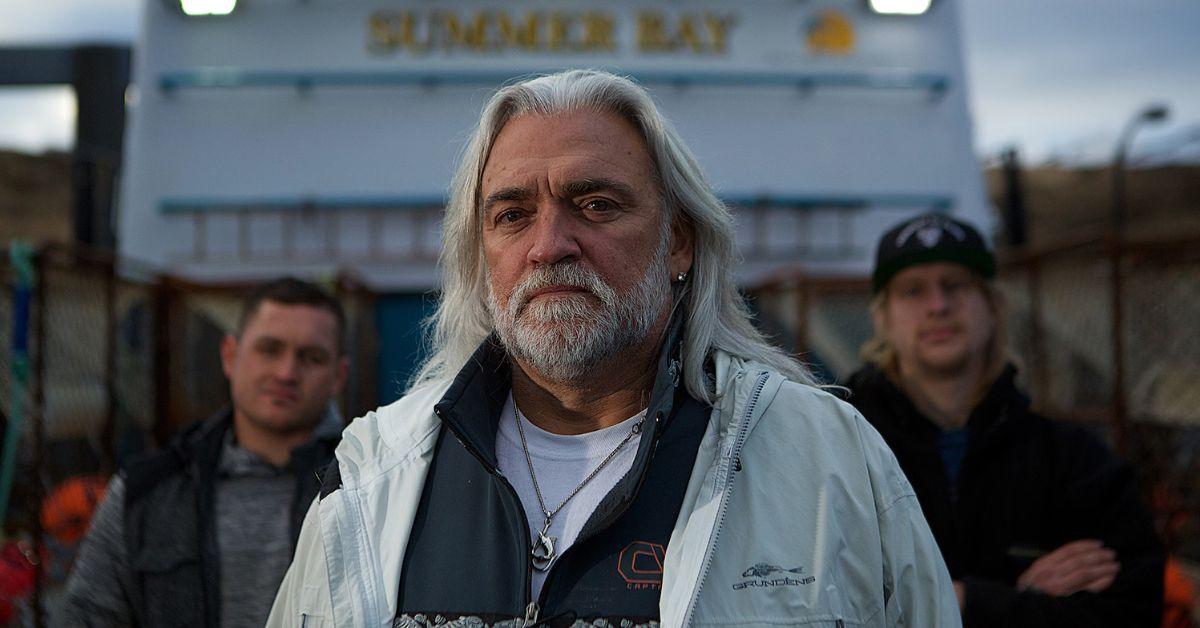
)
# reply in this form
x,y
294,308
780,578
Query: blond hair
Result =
x,y
878,351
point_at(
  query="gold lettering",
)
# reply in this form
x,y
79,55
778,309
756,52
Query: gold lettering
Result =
x,y
598,32
651,33
408,37
557,37
718,30
480,31
688,36
522,35
381,32
467,34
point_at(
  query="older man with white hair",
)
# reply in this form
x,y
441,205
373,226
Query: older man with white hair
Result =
x,y
600,436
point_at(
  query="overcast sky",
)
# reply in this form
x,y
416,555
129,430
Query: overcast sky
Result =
x,y
1060,77
1056,78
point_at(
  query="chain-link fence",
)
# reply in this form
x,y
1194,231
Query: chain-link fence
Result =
x,y
118,360
1107,333
1060,325
824,320
1064,306
128,357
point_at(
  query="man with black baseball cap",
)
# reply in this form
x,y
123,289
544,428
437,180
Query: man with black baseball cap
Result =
x,y
1039,523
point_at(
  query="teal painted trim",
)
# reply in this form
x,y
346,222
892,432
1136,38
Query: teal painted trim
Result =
x,y
199,205
815,201
235,77
21,257
848,201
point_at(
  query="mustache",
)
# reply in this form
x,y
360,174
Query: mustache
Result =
x,y
571,274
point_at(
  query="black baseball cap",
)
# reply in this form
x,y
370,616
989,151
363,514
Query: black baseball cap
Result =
x,y
928,238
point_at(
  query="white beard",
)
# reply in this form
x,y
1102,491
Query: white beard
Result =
x,y
564,337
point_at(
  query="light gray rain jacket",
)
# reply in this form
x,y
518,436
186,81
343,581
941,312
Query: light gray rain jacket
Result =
x,y
796,514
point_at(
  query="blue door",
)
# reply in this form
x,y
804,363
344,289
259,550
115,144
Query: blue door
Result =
x,y
398,320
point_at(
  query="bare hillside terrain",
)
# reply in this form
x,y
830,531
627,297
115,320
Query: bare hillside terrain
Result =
x,y
1159,201
35,196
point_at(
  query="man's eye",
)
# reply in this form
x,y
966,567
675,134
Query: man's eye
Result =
x,y
599,205
509,216
318,358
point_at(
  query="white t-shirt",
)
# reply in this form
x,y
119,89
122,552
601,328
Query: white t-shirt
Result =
x,y
561,463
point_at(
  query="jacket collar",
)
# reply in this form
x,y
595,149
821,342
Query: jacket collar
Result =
x,y
1002,398
665,397
471,406
1002,401
201,443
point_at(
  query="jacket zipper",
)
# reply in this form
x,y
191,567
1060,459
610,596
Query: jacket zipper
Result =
x,y
727,482
531,615
531,610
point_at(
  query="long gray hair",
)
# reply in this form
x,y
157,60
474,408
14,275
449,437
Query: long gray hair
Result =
x,y
716,316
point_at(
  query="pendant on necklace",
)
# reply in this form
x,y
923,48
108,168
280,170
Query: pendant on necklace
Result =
x,y
543,549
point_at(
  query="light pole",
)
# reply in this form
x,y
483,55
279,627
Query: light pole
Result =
x,y
1150,113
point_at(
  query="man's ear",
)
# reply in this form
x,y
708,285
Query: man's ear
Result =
x,y
879,319
228,353
999,302
343,373
682,247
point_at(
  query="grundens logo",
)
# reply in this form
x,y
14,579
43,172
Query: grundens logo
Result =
x,y
768,575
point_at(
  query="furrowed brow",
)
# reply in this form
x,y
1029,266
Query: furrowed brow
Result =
x,y
506,194
581,187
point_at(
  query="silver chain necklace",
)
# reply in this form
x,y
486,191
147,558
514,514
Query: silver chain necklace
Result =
x,y
543,552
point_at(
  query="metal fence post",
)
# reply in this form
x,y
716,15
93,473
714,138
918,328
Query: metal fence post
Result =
x,y
1120,409
38,415
108,429
1037,344
803,299
163,398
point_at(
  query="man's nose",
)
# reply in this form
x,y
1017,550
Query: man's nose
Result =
x,y
287,368
938,300
554,237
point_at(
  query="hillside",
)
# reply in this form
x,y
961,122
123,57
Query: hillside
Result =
x,y
1160,201
35,196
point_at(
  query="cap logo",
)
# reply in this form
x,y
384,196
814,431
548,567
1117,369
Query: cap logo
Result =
x,y
930,231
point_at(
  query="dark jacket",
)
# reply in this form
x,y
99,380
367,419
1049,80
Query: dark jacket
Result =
x,y
1027,486
170,522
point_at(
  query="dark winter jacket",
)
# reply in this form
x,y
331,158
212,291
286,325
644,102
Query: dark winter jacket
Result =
x,y
1026,487
152,555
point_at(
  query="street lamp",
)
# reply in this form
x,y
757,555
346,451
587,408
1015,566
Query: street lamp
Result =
x,y
1150,113
207,7
900,7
